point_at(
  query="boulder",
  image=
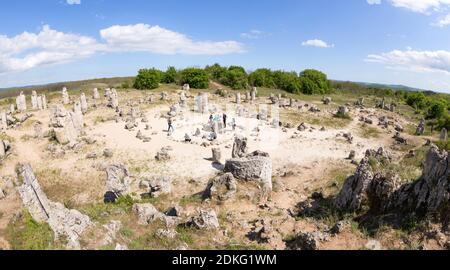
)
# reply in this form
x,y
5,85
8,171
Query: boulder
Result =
x,y
157,184
205,220
146,213
240,147
118,180
254,167
221,188
64,222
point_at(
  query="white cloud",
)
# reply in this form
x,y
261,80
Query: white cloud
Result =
x,y
373,2
255,34
317,43
444,21
73,2
29,50
155,39
48,46
413,60
420,6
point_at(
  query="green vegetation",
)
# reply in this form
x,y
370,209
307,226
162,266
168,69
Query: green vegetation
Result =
x,y
24,233
196,78
148,79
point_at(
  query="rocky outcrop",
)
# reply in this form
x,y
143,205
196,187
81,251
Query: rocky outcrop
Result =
x,y
354,191
64,222
221,188
156,185
118,182
253,167
5,148
146,213
67,126
240,147
385,193
205,220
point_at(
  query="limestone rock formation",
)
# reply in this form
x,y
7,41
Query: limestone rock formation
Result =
x,y
118,182
253,167
240,147
157,184
221,188
205,220
146,213
64,222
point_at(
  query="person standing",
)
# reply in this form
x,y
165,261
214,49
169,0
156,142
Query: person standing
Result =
x,y
225,120
170,123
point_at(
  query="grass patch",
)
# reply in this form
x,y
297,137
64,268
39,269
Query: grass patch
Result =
x,y
369,132
27,234
313,119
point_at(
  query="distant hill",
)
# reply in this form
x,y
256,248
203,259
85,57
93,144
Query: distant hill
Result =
x,y
384,86
73,85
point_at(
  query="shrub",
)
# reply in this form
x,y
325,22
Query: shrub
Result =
x,y
235,77
170,76
261,78
314,82
196,78
148,79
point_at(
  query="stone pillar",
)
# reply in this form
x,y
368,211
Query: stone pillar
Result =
x,y
65,96
39,103
44,102
253,95
34,103
247,96
21,102
3,121
205,105
96,95
444,135
238,98
216,155
12,109
83,103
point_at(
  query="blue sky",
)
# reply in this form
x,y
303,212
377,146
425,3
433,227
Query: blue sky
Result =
x,y
383,41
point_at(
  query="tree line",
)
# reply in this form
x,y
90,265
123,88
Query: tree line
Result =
x,y
308,82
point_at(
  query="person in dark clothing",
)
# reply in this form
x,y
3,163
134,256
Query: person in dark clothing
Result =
x,y
169,122
225,120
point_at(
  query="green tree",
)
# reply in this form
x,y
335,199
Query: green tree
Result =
x,y
417,100
315,82
216,72
437,109
148,79
196,78
261,78
170,75
235,77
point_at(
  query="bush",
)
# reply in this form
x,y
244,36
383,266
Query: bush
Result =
x,y
437,109
314,82
196,78
216,72
170,76
148,79
417,100
235,77
261,78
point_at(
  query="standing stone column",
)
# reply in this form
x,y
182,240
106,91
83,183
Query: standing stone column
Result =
x,y
39,103
216,155
65,96
12,109
3,121
44,102
21,102
238,98
34,103
205,105
444,135
83,103
247,96
96,95
253,95
291,102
